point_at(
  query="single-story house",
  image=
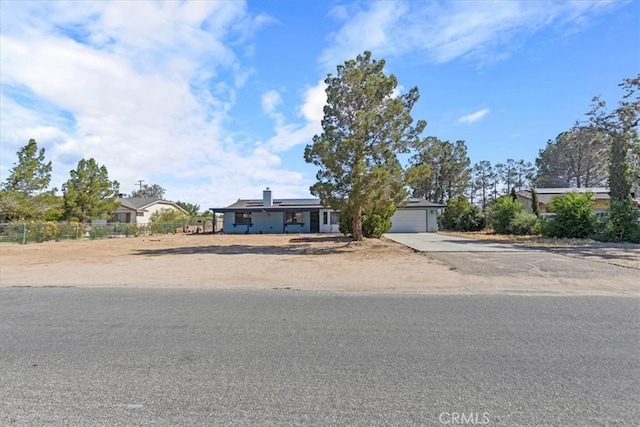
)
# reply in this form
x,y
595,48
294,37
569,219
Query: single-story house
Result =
x,y
134,210
275,216
601,198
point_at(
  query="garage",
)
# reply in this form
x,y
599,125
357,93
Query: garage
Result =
x,y
409,221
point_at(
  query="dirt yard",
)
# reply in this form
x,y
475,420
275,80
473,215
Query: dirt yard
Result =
x,y
309,262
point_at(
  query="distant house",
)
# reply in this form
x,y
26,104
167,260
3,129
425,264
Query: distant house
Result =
x,y
135,210
545,196
276,216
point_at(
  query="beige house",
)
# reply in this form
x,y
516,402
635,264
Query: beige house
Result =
x,y
601,198
139,210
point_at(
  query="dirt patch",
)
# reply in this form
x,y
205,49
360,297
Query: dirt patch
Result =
x,y
310,262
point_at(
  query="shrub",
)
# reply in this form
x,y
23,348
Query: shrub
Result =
x,y
14,232
573,216
374,223
461,215
502,213
98,232
71,230
133,230
524,224
622,223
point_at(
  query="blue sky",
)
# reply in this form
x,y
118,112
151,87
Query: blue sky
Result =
x,y
215,101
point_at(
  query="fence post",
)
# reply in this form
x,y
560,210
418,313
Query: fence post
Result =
x,y
24,233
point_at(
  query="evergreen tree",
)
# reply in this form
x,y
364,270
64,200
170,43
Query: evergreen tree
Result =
x,y
365,127
89,194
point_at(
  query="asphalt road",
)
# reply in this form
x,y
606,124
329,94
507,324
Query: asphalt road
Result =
x,y
214,357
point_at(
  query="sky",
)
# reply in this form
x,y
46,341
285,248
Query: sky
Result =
x,y
216,100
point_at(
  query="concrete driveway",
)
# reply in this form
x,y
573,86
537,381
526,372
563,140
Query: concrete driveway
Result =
x,y
434,242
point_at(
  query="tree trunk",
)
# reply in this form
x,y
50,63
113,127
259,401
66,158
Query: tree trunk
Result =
x,y
356,231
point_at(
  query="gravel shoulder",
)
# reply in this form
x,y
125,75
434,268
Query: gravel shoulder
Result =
x,y
312,262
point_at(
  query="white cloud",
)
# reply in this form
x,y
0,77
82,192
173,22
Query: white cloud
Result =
x,y
145,88
473,117
288,135
270,100
315,98
444,31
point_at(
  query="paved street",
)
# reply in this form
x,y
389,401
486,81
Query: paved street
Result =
x,y
213,357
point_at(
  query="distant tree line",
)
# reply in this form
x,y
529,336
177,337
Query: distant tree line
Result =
x,y
87,195
366,126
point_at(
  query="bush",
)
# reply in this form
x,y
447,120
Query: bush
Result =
x,y
133,230
502,213
524,224
461,215
14,232
98,232
71,230
573,216
622,223
374,224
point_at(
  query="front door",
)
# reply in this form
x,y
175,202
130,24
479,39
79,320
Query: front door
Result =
x,y
315,222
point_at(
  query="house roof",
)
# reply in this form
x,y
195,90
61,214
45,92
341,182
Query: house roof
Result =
x,y
280,205
416,203
141,203
546,194
304,205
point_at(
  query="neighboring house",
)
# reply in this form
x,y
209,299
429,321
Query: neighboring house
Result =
x,y
135,210
601,198
276,216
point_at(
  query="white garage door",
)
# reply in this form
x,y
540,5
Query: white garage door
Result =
x,y
409,221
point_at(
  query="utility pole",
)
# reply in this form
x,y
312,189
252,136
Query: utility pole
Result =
x,y
139,182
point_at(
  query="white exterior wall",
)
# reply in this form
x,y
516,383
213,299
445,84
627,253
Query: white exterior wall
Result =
x,y
328,227
144,219
432,220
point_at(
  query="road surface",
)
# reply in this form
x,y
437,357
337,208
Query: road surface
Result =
x,y
224,357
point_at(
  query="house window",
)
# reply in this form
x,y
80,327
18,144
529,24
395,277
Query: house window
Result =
x,y
334,218
293,217
139,213
325,218
243,218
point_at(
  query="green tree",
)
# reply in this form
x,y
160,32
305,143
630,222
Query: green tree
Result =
x,y
535,204
573,216
31,175
507,174
374,223
89,194
24,194
502,213
484,176
577,158
461,215
365,127
149,191
167,215
192,209
449,167
621,127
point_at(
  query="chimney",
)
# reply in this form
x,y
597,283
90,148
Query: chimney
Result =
x,y
266,198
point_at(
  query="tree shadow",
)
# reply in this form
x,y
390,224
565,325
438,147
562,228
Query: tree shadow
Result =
x,y
295,246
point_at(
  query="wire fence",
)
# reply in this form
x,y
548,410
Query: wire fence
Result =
x,y
34,232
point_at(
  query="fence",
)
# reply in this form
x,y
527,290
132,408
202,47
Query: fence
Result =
x,y
33,232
